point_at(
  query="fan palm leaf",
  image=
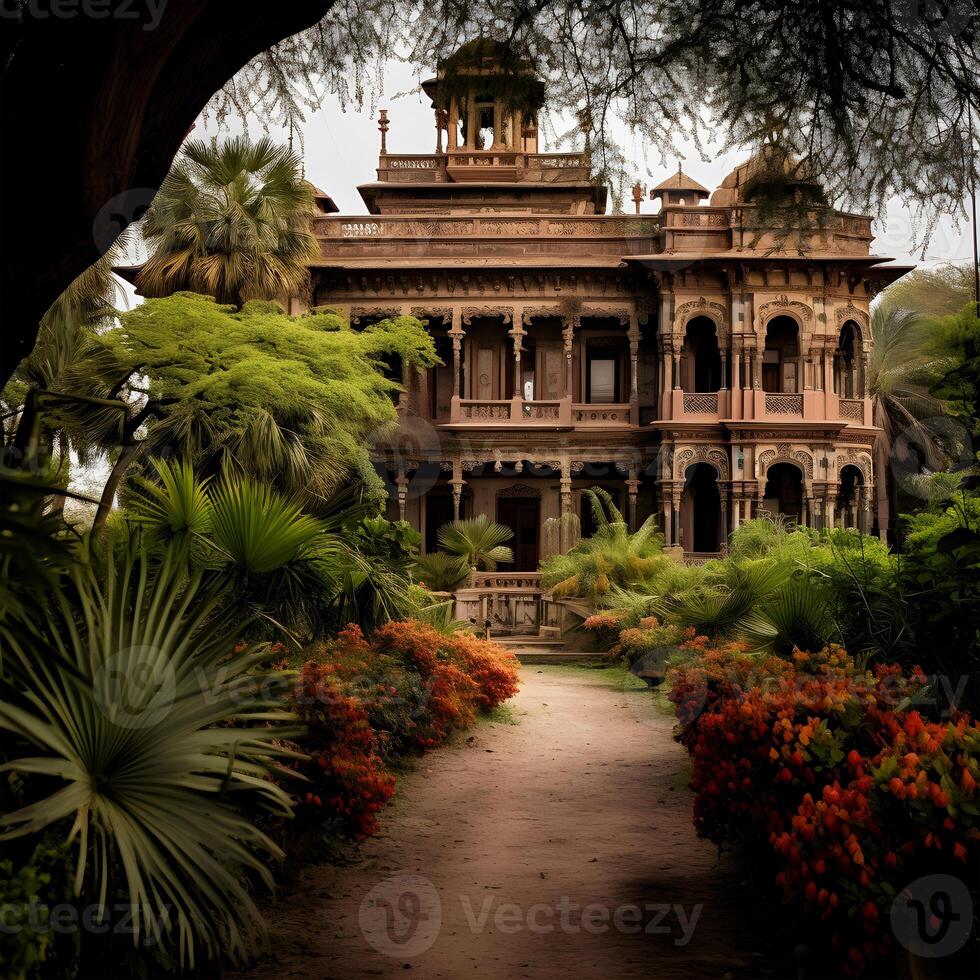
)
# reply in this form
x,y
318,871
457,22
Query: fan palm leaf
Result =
x,y
136,710
478,541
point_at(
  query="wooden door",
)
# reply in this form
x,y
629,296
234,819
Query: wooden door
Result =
x,y
523,516
485,371
551,360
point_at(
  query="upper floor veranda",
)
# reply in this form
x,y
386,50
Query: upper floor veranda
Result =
x,y
697,360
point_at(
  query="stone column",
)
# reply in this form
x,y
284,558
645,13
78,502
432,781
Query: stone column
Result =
x,y
723,386
676,362
668,509
736,366
736,511
723,518
456,334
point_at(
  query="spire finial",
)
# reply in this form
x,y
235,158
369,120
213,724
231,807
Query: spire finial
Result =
x,y
383,129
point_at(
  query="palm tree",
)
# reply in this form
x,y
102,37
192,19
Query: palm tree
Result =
x,y
478,541
231,221
902,366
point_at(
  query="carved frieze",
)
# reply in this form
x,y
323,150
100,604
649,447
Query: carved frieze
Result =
x,y
691,455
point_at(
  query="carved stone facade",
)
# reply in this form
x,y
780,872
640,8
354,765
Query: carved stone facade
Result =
x,y
700,371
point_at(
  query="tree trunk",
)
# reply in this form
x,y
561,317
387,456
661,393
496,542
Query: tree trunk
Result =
x,y
93,111
127,456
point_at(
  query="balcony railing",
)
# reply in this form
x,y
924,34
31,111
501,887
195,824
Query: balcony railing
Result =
x,y
508,164
484,410
701,403
600,415
541,411
783,404
506,580
852,409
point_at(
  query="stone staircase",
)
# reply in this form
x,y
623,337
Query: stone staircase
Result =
x,y
544,650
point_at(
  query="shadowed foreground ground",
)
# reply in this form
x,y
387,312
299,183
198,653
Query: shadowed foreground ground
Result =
x,y
559,846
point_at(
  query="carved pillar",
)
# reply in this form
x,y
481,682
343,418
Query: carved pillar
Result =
x,y
757,369
724,369
676,361
634,359
736,511
723,518
568,341
458,483
456,334
736,368
747,370
668,507
517,334
401,483
634,338
632,491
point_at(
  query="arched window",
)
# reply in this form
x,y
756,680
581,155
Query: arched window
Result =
x,y
781,358
849,496
701,510
702,359
784,491
847,362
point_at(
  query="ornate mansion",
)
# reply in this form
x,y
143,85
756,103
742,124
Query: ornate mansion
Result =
x,y
699,365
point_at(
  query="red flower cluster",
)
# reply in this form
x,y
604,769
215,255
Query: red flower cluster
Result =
x,y
821,770
365,701
346,774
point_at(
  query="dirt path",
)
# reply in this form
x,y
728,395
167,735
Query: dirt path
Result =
x,y
559,846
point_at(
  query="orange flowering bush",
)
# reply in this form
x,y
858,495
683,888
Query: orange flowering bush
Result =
x,y
826,773
366,701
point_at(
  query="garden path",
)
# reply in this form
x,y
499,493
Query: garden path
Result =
x,y
556,844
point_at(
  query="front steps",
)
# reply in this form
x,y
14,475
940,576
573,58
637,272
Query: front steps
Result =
x,y
544,650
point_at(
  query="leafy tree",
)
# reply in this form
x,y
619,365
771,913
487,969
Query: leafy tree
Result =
x,y
231,220
295,402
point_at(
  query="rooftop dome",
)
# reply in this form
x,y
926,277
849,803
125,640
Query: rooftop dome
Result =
x,y
679,189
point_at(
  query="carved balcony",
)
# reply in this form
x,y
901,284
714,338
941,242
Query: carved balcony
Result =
x,y
779,403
